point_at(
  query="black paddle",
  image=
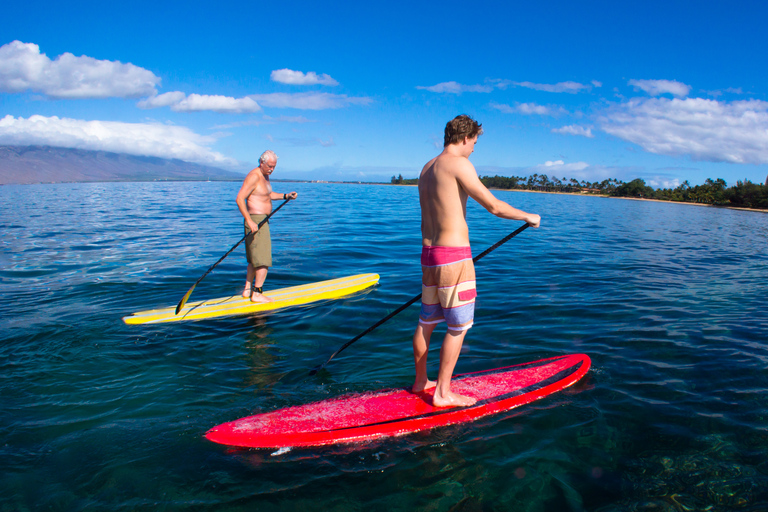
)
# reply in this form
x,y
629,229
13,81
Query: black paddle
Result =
x,y
185,298
398,310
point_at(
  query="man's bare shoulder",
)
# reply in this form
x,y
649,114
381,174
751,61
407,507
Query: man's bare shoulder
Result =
x,y
254,176
451,164
429,165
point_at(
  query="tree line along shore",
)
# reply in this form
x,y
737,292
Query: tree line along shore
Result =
x,y
744,194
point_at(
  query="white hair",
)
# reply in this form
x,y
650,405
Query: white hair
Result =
x,y
268,155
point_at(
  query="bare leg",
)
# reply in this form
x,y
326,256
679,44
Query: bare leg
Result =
x,y
250,274
420,352
261,276
449,354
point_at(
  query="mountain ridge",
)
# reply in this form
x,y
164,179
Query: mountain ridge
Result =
x,y
24,165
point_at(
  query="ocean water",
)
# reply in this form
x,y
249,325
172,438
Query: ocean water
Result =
x,y
669,301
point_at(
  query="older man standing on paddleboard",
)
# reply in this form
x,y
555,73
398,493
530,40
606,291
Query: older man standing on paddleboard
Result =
x,y
448,273
254,200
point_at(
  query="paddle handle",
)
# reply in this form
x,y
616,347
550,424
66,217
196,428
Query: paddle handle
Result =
x,y
501,242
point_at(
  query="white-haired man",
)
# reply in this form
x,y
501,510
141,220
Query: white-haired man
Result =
x,y
254,200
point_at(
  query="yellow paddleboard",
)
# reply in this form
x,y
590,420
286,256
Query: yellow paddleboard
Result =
x,y
238,305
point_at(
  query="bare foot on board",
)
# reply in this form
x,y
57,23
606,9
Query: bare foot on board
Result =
x,y
247,290
418,388
452,400
260,298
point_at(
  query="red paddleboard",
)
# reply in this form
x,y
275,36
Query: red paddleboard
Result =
x,y
395,412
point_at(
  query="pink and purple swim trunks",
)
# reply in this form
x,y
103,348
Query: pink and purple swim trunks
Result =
x,y
448,287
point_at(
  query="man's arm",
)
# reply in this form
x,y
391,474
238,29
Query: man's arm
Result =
x,y
467,177
276,195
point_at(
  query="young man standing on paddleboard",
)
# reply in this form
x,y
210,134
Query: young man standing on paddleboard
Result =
x,y
255,202
448,273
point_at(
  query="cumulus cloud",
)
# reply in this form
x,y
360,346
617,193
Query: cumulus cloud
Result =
x,y
308,101
24,68
569,87
705,130
162,100
491,84
180,102
560,166
529,109
661,182
147,139
574,129
659,87
224,104
288,76
455,88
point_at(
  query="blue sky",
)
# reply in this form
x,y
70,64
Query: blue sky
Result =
x,y
665,91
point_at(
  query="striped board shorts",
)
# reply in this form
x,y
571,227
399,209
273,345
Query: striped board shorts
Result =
x,y
448,287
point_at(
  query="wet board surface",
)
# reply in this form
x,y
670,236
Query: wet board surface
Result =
x,y
238,305
393,412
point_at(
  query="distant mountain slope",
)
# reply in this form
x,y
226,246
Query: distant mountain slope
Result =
x,y
45,164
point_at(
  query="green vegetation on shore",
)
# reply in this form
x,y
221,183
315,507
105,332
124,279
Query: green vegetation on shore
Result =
x,y
744,194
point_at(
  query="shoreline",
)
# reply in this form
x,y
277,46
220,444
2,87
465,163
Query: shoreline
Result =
x,y
633,199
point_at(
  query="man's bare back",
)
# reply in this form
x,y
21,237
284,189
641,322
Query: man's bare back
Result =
x,y
443,202
444,185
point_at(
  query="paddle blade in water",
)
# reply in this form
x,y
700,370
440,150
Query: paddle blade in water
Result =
x,y
184,299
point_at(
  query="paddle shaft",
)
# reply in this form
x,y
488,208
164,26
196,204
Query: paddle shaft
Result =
x,y
404,306
185,298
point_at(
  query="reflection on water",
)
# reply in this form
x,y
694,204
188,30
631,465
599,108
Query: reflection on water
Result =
x,y
667,299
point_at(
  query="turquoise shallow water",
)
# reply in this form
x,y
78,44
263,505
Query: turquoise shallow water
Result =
x,y
669,301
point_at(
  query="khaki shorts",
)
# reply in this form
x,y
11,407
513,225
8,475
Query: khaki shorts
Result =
x,y
258,248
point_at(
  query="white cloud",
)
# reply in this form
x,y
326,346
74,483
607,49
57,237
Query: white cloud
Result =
x,y
147,139
455,88
24,68
662,182
288,76
223,104
308,101
529,109
659,87
162,100
491,84
180,102
574,129
569,87
559,166
706,130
